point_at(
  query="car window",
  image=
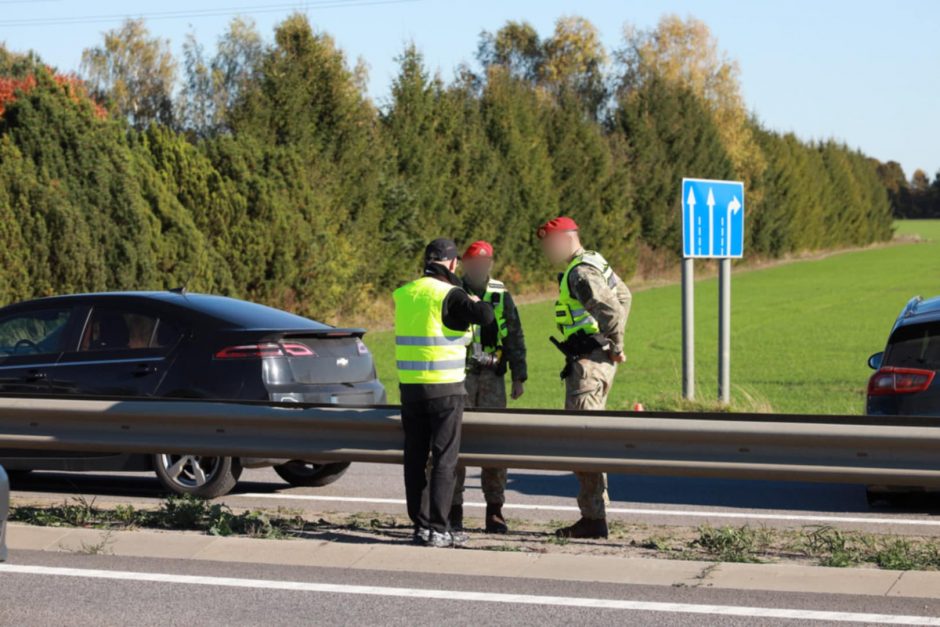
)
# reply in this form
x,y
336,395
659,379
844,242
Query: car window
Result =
x,y
110,329
914,346
33,333
166,335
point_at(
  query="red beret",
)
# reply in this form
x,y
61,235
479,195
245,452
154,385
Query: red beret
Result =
x,y
562,223
478,249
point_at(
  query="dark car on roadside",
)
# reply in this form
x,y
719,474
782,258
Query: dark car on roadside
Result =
x,y
175,344
905,381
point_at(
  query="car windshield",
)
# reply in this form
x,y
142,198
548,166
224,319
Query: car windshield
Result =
x,y
33,333
914,346
247,315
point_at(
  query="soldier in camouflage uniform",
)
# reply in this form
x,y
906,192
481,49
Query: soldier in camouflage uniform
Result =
x,y
495,348
591,314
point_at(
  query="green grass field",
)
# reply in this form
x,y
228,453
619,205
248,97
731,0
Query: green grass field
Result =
x,y
801,333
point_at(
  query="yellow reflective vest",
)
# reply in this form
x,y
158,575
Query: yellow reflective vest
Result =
x,y
495,295
426,351
570,314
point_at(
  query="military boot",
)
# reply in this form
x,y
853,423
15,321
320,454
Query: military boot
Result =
x,y
495,523
456,517
587,528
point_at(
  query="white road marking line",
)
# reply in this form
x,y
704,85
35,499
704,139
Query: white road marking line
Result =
x,y
623,510
480,597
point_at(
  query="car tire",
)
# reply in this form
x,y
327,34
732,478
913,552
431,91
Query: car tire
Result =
x,y
310,474
203,476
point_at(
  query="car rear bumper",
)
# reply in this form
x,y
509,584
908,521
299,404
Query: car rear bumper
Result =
x,y
920,404
365,393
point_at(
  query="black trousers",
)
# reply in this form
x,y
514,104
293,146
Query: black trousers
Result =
x,y
432,427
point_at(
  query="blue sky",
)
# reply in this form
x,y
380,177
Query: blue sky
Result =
x,y
863,72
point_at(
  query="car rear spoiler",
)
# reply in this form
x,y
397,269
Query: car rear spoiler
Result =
x,y
908,309
300,333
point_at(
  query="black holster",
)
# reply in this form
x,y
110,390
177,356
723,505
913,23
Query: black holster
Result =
x,y
574,348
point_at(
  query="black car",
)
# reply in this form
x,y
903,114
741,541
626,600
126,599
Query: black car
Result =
x,y
179,345
905,379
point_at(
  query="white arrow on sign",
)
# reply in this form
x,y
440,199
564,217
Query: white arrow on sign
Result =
x,y
733,207
711,221
691,202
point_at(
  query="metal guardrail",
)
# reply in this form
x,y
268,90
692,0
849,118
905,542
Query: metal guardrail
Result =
x,y
849,449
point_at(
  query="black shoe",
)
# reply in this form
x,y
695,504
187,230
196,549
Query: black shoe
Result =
x,y
495,523
586,528
456,517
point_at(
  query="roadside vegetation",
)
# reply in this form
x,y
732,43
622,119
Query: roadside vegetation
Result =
x,y
823,545
258,167
176,512
819,545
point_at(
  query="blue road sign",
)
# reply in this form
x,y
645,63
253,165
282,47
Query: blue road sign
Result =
x,y
712,218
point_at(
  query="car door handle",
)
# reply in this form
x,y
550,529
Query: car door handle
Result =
x,y
143,370
34,375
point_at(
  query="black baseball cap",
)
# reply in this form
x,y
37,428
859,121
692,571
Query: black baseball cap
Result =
x,y
441,249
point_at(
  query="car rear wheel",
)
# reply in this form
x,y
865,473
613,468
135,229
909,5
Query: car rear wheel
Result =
x,y
198,475
310,474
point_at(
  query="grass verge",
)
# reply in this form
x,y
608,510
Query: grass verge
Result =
x,y
817,545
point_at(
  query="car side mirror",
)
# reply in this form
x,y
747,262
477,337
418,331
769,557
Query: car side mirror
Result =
x,y
874,362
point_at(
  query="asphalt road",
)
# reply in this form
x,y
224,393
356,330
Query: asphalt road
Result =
x,y
108,590
536,495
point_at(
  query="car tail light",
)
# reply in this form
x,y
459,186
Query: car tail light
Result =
x,y
296,349
361,348
267,349
890,380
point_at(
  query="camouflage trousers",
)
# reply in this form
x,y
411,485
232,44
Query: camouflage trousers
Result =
x,y
587,387
485,389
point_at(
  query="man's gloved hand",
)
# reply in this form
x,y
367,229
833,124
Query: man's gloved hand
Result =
x,y
518,389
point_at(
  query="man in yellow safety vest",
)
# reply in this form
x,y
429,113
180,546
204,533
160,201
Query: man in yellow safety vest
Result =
x,y
433,316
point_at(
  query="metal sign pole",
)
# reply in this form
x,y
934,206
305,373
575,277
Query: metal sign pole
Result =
x,y
724,330
688,328
712,228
